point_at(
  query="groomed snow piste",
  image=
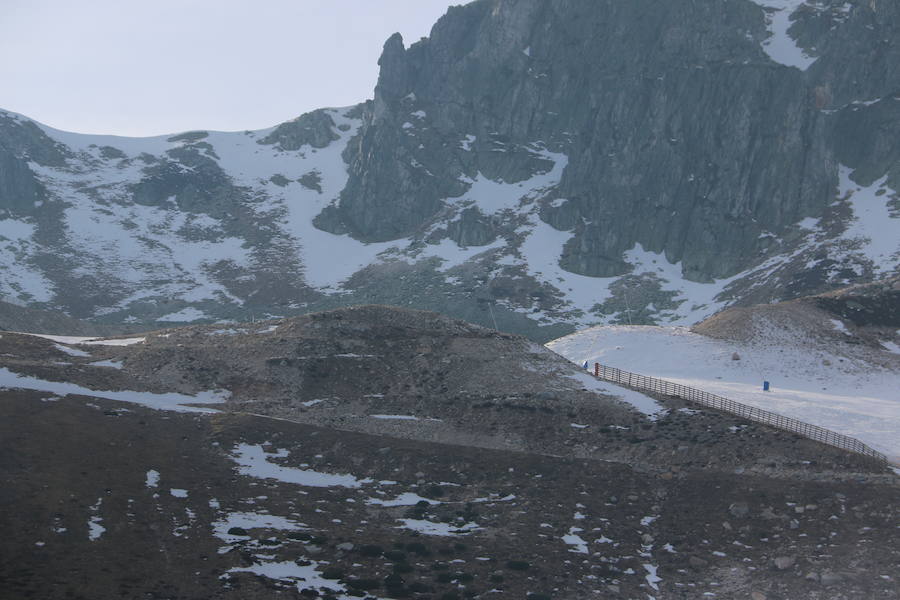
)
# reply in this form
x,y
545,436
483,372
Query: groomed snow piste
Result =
x,y
815,385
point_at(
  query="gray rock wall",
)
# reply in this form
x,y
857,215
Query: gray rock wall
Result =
x,y
682,134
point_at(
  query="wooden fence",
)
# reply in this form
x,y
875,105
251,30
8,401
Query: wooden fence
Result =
x,y
751,413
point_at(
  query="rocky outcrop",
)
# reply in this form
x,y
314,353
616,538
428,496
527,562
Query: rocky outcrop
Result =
x,y
681,134
315,129
22,141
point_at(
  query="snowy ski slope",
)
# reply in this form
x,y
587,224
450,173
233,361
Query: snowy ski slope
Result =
x,y
815,385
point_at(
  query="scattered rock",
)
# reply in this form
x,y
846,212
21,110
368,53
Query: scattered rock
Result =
x,y
735,356
518,565
830,578
785,562
768,514
697,562
739,509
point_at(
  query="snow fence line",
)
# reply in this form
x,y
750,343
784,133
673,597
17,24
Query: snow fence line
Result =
x,y
751,413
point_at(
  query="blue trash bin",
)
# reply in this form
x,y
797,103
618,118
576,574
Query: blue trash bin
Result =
x,y
765,386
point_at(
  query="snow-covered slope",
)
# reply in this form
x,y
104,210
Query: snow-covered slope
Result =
x,y
836,387
99,244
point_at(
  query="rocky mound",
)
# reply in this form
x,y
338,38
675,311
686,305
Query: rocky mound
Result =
x,y
421,376
862,321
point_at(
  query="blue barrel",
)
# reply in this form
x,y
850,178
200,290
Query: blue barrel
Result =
x,y
765,386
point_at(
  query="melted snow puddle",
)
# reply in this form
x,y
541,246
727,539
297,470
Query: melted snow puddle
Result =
x,y
168,401
254,462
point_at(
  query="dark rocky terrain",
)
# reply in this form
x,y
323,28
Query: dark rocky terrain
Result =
x,y
538,487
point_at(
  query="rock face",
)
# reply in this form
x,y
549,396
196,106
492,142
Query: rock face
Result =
x,y
538,164
681,134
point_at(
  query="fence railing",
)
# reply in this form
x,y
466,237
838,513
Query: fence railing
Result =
x,y
751,413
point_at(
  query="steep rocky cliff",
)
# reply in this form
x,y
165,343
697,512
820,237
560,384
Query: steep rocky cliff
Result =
x,y
680,132
538,164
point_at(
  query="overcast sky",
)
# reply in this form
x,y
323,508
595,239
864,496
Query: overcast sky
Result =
x,y
145,67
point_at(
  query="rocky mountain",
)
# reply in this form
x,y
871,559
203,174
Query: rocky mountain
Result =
x,y
402,454
536,164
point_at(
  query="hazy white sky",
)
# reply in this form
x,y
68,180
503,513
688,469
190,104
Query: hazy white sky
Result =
x,y
145,67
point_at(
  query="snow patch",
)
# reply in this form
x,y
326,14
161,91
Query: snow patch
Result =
x,y
839,326
169,401
405,499
254,462
71,351
780,46
873,225
95,529
573,539
442,529
395,417
251,520
112,364
645,404
185,315
152,478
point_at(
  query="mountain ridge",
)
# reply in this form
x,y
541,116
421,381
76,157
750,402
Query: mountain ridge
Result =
x,y
497,176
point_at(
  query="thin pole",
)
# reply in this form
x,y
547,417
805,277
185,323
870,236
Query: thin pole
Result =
x,y
491,308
